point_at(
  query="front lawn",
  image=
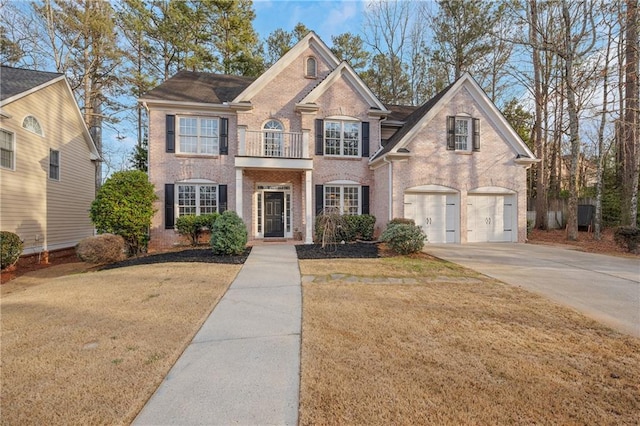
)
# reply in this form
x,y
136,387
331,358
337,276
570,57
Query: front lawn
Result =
x,y
454,348
91,348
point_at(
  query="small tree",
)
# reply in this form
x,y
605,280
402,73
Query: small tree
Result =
x,y
124,206
329,226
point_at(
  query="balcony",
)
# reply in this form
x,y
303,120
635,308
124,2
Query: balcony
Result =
x,y
273,149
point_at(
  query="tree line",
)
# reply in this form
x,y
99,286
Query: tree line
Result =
x,y
564,73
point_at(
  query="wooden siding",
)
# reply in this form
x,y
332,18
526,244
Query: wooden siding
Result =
x,y
45,213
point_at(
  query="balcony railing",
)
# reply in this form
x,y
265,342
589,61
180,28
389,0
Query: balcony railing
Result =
x,y
270,144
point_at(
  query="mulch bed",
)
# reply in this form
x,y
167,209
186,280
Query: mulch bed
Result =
x,y
200,255
337,251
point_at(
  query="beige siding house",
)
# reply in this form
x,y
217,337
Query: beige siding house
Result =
x,y
308,134
47,169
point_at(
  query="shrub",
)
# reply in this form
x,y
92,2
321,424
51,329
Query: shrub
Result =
x,y
358,227
103,248
404,238
330,227
193,226
228,234
10,249
628,237
401,220
124,206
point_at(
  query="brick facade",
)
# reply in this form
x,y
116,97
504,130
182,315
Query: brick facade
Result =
x,y
278,95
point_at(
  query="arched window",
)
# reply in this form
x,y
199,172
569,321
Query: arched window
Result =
x,y
311,67
31,123
273,138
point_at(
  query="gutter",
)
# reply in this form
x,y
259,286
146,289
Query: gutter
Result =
x,y
390,163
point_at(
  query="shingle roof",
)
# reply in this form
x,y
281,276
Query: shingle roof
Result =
x,y
202,87
411,120
14,81
400,112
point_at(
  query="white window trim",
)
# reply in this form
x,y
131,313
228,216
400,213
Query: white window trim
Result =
x,y
14,146
341,202
469,145
197,183
59,165
41,133
199,145
342,122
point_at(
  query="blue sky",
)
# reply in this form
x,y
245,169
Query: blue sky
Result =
x,y
325,17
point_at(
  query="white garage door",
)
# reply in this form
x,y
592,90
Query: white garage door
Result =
x,y
438,214
490,218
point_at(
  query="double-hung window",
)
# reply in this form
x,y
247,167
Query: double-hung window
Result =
x,y
7,150
463,133
199,135
197,199
54,164
342,198
342,138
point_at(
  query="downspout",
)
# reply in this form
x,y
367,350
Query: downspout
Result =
x,y
390,163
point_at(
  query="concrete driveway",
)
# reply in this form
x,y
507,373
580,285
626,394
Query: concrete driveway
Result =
x,y
605,288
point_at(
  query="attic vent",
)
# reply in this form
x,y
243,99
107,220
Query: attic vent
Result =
x,y
311,68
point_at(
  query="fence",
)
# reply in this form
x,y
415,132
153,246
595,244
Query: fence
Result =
x,y
557,213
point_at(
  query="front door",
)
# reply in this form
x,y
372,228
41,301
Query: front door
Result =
x,y
274,214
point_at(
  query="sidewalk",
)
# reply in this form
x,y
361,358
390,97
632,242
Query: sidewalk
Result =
x,y
243,366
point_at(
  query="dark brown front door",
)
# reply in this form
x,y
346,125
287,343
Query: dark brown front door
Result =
x,y
274,214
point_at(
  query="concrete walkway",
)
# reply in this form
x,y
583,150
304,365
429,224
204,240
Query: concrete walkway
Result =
x,y
605,288
243,366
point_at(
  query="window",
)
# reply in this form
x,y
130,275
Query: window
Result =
x,y
345,199
54,164
197,199
463,133
31,123
342,138
311,68
7,150
199,135
273,138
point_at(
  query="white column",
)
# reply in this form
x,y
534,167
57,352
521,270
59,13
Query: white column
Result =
x,y
239,192
308,203
305,143
242,144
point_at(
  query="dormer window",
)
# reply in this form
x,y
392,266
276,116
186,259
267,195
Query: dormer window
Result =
x,y
31,124
311,70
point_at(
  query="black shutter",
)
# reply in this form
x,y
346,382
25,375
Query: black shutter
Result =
x,y
224,136
222,198
169,212
365,200
171,134
319,199
476,134
319,136
365,139
451,133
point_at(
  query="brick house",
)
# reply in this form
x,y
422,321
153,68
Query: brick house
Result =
x,y
309,134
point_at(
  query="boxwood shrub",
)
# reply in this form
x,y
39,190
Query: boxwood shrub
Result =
x,y
404,238
628,237
228,234
10,249
194,226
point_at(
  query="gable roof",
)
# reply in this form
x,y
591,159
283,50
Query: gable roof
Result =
x,y
202,87
20,81
423,115
344,70
310,40
17,83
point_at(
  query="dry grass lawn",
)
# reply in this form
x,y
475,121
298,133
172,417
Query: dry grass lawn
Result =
x,y
450,350
91,348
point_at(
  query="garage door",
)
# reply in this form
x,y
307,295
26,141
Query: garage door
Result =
x,y
490,217
437,213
